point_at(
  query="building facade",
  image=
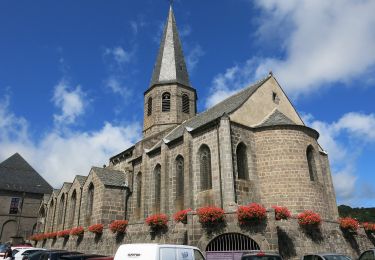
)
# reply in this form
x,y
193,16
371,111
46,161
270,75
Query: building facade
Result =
x,y
251,147
22,190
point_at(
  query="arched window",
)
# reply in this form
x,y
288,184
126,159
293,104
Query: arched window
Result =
x,y
90,201
73,204
149,106
179,182
157,186
139,189
205,167
311,162
61,209
50,214
166,102
242,167
185,104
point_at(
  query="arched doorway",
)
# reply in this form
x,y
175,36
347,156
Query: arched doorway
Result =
x,y
8,230
230,246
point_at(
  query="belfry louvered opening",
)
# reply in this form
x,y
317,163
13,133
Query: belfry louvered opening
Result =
x,y
166,102
185,104
232,242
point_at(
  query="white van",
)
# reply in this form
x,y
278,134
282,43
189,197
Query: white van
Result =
x,y
158,252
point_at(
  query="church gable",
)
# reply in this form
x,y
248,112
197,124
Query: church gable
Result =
x,y
263,103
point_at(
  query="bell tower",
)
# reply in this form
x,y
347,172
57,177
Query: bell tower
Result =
x,y
170,98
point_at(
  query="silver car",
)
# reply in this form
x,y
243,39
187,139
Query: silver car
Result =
x,y
326,256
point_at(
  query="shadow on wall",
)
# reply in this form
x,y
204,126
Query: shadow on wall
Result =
x,y
286,244
350,237
371,237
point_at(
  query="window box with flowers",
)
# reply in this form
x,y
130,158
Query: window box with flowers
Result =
x,y
251,214
77,231
157,222
118,226
369,227
181,216
37,237
308,219
211,216
281,212
349,224
64,233
97,229
51,235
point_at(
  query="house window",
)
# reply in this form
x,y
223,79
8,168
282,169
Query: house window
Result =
x,y
149,106
205,167
242,167
14,205
185,104
90,202
166,102
311,162
275,98
157,179
180,181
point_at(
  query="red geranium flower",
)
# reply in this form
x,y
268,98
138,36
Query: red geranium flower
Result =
x,y
118,226
251,213
157,221
181,216
281,212
77,231
211,215
309,218
63,233
370,227
349,224
96,228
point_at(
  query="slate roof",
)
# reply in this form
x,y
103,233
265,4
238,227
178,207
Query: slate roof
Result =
x,y
110,177
17,175
170,64
226,106
276,118
81,179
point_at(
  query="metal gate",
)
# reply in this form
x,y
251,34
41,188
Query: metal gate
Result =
x,y
230,246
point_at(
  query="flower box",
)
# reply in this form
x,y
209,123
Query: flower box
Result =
x,y
309,218
211,215
281,212
157,221
77,231
349,224
251,213
37,237
369,227
96,228
181,216
64,233
51,235
118,226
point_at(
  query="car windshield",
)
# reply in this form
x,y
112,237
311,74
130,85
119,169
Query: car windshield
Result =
x,y
14,252
337,257
3,248
264,257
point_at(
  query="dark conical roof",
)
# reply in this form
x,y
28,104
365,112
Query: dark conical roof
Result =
x,y
170,66
17,175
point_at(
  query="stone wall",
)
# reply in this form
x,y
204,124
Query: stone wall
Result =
x,y
284,236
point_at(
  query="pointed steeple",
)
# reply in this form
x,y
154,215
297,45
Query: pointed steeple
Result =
x,y
170,66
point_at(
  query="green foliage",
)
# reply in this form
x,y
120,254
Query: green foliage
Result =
x,y
361,214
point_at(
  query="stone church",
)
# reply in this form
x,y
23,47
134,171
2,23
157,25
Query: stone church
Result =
x,y
251,147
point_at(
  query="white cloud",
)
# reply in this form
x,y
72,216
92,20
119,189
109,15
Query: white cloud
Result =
x,y
344,140
116,86
71,102
326,41
231,81
119,55
193,57
57,156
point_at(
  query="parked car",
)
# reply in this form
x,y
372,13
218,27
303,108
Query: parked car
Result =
x,y
37,255
80,256
368,255
261,255
326,256
103,258
3,248
158,252
24,252
55,254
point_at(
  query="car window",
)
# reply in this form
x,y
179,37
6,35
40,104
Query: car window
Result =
x,y
336,257
308,257
14,252
263,257
184,254
198,255
368,255
27,252
167,253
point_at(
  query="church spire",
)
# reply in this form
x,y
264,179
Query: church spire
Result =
x,y
170,66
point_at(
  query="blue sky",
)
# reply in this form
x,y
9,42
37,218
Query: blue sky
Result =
x,y
73,73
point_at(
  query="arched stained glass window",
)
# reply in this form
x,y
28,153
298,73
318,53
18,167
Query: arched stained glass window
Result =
x,y
205,167
242,167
